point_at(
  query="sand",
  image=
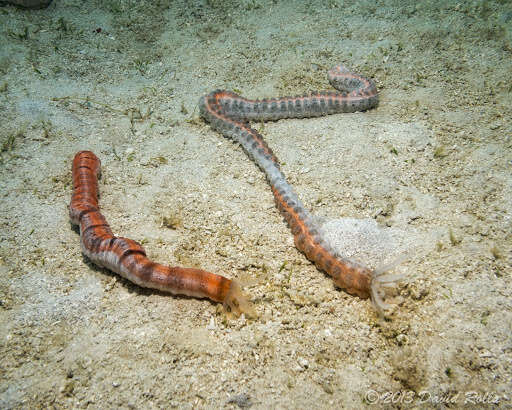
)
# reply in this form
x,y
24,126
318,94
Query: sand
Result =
x,y
427,175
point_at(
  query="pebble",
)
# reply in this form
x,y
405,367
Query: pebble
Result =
x,y
303,363
211,325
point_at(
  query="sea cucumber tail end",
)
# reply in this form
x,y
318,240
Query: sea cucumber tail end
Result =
x,y
382,279
236,302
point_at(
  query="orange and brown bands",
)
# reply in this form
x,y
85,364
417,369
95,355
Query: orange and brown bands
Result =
x,y
230,114
128,258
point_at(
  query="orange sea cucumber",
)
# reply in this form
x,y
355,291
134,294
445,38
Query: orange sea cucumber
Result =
x,y
229,114
128,258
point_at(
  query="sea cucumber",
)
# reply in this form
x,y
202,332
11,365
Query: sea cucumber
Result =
x,y
229,114
128,258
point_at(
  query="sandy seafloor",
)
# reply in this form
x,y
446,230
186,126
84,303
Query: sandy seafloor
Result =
x,y
427,174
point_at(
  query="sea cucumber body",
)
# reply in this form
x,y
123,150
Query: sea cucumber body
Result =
x,y
127,257
228,113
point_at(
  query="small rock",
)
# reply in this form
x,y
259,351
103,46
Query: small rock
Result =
x,y
402,339
303,363
211,325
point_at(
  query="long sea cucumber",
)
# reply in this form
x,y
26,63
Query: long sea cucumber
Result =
x,y
229,114
128,258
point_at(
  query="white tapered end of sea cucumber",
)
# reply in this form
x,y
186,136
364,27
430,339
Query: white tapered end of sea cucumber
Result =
x,y
237,303
382,279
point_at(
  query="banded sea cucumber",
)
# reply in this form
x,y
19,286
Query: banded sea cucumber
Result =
x,y
128,258
229,114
